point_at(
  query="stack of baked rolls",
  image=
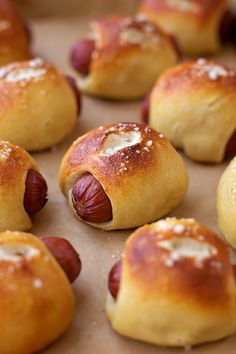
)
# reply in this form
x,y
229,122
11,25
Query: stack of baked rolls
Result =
x,y
123,57
174,286
122,175
38,106
37,302
226,203
14,35
193,104
23,190
195,23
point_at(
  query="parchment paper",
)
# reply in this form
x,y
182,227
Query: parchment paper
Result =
x,y
90,331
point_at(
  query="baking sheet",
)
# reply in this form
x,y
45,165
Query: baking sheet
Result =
x,y
90,332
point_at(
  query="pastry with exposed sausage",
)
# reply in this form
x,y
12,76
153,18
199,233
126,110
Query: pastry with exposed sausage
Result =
x,y
193,105
23,190
123,57
174,286
37,301
197,24
122,175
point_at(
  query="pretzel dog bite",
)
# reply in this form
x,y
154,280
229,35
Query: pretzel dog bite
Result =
x,y
14,38
193,104
122,175
226,203
23,190
195,23
123,58
37,302
176,286
38,106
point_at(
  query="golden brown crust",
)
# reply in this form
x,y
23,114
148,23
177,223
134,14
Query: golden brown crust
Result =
x,y
14,42
177,286
149,264
197,74
25,86
13,162
14,166
129,55
116,168
37,300
226,203
199,9
195,24
111,44
193,105
21,75
133,163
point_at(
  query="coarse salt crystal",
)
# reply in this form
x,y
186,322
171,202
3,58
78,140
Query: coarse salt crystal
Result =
x,y
37,283
179,228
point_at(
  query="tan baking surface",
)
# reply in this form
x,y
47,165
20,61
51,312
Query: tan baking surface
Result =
x,y
90,332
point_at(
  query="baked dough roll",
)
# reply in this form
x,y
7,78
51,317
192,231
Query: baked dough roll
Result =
x,y
195,23
123,57
193,104
14,37
23,190
37,302
226,203
38,106
122,175
174,286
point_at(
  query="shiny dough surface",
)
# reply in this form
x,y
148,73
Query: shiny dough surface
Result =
x,y
37,303
177,286
195,23
143,181
127,59
226,203
37,106
193,104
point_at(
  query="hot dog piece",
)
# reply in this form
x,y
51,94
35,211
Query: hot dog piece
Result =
x,y
228,28
66,256
114,279
28,31
231,147
81,56
90,200
76,91
176,45
146,108
35,196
